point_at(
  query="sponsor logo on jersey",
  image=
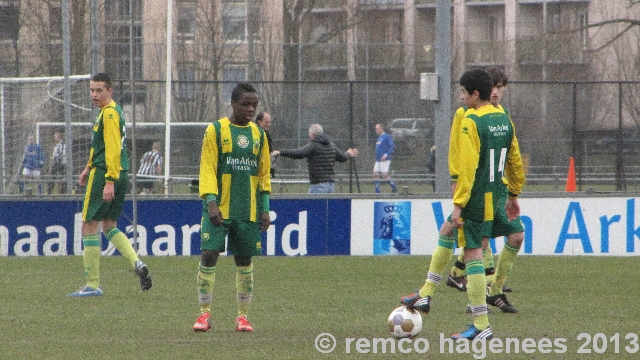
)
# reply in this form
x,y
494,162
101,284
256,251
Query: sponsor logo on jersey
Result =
x,y
242,141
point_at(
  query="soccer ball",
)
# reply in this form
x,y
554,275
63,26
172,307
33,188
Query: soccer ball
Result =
x,y
404,322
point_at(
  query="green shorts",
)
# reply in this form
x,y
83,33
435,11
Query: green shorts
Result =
x,y
501,225
471,234
244,236
94,207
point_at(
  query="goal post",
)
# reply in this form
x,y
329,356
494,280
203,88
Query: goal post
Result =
x,y
36,106
25,102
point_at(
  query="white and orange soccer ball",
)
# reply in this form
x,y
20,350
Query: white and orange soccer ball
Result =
x,y
404,322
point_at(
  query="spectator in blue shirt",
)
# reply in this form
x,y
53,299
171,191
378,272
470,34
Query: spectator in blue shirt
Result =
x,y
32,163
384,149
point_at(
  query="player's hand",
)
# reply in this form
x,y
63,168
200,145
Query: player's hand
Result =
x,y
384,157
353,152
513,208
215,215
108,193
83,176
275,153
456,221
265,221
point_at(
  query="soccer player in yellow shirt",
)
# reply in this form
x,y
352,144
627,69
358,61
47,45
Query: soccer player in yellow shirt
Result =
x,y
106,179
234,187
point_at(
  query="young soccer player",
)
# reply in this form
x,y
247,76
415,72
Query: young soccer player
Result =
x,y
485,137
235,188
106,179
513,229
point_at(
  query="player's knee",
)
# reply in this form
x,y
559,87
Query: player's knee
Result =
x,y
242,260
516,239
446,229
209,258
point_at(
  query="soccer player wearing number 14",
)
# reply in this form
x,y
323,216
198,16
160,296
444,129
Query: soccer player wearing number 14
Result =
x,y
486,138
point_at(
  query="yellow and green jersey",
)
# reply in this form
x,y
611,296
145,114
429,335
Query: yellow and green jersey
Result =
x,y
235,166
515,179
454,153
108,148
491,160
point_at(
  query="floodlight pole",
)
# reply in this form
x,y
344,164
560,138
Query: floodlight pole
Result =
x,y
442,106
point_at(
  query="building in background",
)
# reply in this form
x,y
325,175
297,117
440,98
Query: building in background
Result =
x,y
381,44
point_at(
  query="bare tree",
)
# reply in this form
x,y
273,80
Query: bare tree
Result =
x,y
299,28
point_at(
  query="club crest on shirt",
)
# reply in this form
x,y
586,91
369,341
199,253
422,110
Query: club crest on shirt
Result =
x,y
242,141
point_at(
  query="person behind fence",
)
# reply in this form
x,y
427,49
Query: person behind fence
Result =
x,y
106,179
321,155
263,119
150,164
58,164
384,149
32,164
431,165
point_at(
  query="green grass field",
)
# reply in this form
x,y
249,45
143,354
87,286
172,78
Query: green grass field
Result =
x,y
295,300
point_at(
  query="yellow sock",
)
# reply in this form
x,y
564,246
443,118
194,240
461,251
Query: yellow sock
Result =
x,y
476,291
459,269
439,261
206,279
244,288
91,259
505,263
122,244
489,266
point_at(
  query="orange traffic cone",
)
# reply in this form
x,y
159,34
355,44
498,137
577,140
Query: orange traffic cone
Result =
x,y
571,177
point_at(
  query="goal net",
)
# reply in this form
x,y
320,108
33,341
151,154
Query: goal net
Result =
x,y
24,104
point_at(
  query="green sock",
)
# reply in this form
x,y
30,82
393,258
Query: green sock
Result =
x,y
476,291
489,266
206,279
244,288
505,263
91,259
439,261
122,244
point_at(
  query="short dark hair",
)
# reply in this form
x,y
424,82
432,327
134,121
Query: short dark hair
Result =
x,y
498,76
241,88
477,79
102,77
259,116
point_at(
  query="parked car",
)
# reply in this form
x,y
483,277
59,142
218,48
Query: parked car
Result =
x,y
411,133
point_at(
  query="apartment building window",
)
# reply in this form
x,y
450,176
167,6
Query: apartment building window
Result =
x,y
493,28
121,9
234,20
393,30
186,82
55,21
118,46
231,76
9,20
583,22
186,20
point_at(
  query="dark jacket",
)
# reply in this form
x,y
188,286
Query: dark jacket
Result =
x,y
321,156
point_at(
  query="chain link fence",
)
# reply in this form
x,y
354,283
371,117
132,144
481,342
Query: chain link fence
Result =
x,y
595,123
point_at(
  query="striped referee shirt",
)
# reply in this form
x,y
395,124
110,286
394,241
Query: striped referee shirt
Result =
x,y
58,153
149,162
